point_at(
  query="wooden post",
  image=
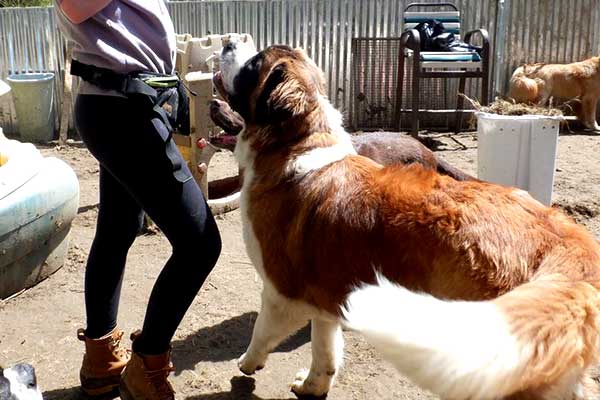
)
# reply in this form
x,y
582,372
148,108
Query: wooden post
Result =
x,y
67,98
200,125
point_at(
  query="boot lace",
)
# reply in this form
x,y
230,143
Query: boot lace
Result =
x,y
158,380
118,349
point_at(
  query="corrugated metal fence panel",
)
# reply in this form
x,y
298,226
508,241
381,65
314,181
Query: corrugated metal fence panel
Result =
x,y
29,42
324,28
476,15
535,30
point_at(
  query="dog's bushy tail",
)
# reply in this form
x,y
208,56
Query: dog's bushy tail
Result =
x,y
529,337
523,89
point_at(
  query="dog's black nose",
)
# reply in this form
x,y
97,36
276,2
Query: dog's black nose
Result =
x,y
230,46
26,374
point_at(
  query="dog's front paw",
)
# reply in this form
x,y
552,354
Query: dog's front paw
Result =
x,y
306,384
248,365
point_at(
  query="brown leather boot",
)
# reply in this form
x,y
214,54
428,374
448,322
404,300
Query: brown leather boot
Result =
x,y
103,362
146,377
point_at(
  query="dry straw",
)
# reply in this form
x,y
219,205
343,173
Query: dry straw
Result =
x,y
506,107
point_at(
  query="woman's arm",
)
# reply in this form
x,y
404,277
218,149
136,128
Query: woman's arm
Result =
x,y
78,11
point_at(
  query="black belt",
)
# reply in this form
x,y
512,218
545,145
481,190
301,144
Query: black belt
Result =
x,y
166,92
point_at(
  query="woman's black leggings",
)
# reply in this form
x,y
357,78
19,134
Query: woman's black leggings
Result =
x,y
141,170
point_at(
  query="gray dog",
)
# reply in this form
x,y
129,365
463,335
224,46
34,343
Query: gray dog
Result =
x,y
19,383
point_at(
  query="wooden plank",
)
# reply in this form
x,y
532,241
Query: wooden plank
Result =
x,y
182,140
67,100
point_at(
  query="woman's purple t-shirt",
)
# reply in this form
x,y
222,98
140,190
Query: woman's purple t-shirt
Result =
x,y
125,36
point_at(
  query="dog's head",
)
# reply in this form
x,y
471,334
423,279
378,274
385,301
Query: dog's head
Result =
x,y
275,86
19,383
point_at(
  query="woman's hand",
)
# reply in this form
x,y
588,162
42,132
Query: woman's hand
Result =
x,y
78,11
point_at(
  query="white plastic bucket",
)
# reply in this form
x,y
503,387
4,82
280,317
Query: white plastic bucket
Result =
x,y
518,151
33,95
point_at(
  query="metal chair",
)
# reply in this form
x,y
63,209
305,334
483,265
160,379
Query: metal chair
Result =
x,y
428,64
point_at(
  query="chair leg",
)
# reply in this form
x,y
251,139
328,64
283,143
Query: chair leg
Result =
x,y
400,90
415,101
460,102
485,90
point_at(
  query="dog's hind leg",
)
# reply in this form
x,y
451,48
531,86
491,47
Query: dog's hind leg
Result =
x,y
327,351
588,112
279,317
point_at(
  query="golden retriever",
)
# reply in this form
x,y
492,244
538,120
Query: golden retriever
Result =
x,y
536,83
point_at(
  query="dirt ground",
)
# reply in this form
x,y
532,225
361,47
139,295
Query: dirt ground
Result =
x,y
39,325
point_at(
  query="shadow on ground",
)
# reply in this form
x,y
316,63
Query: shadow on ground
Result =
x,y
242,388
75,393
225,341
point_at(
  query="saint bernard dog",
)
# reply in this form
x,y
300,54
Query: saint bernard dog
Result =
x,y
473,290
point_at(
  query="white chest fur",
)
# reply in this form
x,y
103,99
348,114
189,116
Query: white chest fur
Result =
x,y
300,165
245,157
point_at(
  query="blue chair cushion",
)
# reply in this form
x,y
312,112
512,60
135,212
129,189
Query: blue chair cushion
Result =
x,y
450,57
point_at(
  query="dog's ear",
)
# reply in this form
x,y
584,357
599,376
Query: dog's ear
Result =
x,y
317,73
284,95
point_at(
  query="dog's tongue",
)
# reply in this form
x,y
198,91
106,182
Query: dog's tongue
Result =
x,y
224,139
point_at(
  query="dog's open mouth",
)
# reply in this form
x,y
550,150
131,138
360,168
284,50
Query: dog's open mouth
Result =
x,y
224,141
225,118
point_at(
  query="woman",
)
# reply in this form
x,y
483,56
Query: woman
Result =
x,y
140,171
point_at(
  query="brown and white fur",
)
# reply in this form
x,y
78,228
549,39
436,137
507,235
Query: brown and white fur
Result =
x,y
498,295
536,83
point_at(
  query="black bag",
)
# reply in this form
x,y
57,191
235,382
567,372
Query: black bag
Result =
x,y
175,103
428,30
435,38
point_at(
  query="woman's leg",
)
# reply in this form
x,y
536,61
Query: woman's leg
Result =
x,y
135,147
119,221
